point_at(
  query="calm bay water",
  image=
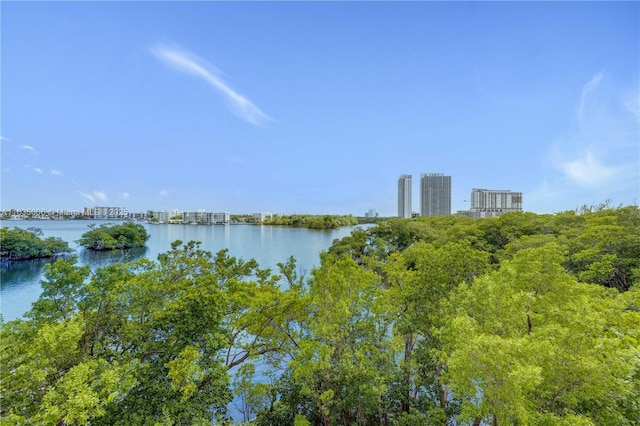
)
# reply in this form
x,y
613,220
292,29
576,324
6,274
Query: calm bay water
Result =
x,y
268,245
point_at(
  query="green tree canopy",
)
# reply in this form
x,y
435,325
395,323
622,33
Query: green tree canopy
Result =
x,y
25,244
114,237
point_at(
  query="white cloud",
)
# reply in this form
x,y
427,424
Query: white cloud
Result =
x,y
95,196
87,197
585,102
125,195
3,139
35,169
600,152
163,193
191,64
99,195
57,172
588,171
29,148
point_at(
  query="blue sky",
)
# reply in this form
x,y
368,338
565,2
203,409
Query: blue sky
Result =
x,y
299,107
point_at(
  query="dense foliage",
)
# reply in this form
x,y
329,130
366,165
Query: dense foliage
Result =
x,y
114,237
312,221
521,319
25,244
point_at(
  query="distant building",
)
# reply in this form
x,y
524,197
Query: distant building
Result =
x,y
464,213
371,213
261,217
206,218
404,196
165,216
221,218
190,217
435,194
492,203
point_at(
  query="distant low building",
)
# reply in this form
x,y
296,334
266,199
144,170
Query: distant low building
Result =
x,y
262,216
464,213
221,218
371,213
492,203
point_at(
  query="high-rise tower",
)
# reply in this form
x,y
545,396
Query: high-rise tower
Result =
x,y
404,196
435,194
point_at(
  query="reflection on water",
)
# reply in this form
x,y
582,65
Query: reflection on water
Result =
x,y
19,282
98,259
12,274
268,245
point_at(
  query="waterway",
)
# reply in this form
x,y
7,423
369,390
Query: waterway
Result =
x,y
268,245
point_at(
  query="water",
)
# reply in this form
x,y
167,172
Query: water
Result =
x,y
268,245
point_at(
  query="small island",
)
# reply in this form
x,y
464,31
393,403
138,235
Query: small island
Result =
x,y
27,244
312,221
114,237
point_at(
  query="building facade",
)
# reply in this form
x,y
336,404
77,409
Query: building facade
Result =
x,y
262,216
193,218
404,196
492,203
435,194
371,213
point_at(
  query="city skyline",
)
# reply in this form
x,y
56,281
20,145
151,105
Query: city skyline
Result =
x,y
316,107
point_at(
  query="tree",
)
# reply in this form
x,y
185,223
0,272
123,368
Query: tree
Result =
x,y
344,355
420,280
144,342
529,344
136,343
114,237
21,244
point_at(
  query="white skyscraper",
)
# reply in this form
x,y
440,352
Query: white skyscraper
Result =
x,y
404,196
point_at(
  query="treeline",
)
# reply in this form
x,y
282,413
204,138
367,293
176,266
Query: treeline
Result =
x,y
312,221
521,319
25,244
114,237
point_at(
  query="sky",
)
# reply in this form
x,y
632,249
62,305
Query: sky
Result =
x,y
316,107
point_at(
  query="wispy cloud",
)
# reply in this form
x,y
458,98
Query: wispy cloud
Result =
x,y
598,156
191,64
29,148
35,169
596,153
3,139
95,196
163,193
586,103
589,172
88,197
100,195
125,195
57,172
